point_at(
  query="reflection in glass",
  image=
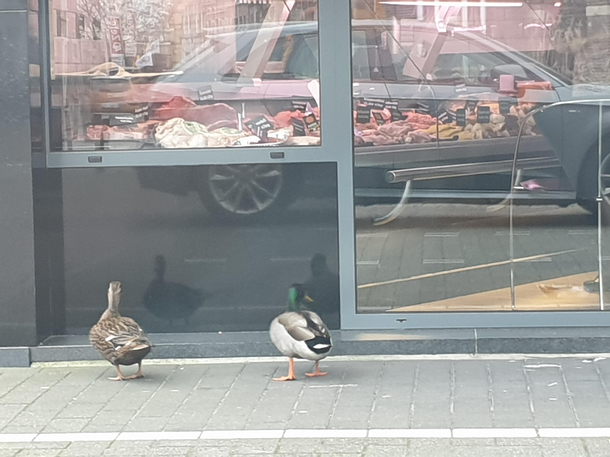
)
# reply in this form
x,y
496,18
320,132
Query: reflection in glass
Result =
x,y
184,268
171,301
323,288
184,74
442,91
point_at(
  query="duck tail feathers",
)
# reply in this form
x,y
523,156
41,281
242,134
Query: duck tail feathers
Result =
x,y
319,344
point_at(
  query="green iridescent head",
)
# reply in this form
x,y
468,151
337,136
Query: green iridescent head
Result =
x,y
298,298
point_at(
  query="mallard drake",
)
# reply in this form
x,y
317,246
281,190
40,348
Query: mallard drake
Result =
x,y
119,339
299,333
171,300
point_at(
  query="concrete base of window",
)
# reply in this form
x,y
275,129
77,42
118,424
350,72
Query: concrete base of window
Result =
x,y
15,357
347,342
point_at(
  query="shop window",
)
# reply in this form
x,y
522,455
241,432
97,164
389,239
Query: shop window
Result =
x,y
465,142
136,81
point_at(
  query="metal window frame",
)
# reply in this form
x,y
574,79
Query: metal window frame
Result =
x,y
336,147
335,101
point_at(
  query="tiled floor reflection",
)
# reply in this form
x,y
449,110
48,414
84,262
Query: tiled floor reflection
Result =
x,y
443,257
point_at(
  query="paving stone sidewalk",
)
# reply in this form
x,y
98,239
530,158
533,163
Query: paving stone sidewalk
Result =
x,y
485,406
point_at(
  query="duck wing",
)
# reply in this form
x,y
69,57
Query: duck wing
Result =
x,y
296,326
307,326
120,340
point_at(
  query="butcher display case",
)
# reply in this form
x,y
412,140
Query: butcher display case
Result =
x,y
169,80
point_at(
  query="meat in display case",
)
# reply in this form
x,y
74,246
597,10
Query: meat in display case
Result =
x,y
186,75
125,115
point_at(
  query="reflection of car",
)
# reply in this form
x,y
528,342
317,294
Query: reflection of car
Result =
x,y
467,167
573,129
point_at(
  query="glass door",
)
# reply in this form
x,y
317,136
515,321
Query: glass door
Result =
x,y
472,201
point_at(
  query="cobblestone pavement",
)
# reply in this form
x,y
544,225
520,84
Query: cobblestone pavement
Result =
x,y
366,406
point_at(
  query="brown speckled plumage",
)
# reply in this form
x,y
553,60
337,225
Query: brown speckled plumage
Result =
x,y
119,339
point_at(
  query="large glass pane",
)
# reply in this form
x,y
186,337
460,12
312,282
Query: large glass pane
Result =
x,y
191,267
442,92
166,74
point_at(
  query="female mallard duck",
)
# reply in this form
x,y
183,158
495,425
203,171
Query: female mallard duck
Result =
x,y
119,339
300,333
171,300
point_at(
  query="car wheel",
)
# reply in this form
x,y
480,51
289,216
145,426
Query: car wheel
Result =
x,y
590,177
246,192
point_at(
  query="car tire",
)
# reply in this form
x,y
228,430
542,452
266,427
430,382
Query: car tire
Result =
x,y
248,192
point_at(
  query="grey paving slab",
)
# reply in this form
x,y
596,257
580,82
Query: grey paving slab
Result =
x,y
8,452
563,448
132,448
551,401
276,405
433,395
359,394
85,449
392,404
109,421
377,450
510,394
597,447
589,396
354,401
472,395
210,452
65,425
313,408
196,411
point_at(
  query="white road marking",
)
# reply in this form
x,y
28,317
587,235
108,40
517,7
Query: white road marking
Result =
x,y
441,234
289,259
574,432
443,261
223,260
322,433
410,433
494,433
158,436
241,434
372,235
462,433
17,437
336,358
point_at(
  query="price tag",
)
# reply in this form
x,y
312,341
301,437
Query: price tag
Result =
x,y
141,114
311,122
444,117
113,120
471,105
483,114
374,103
298,127
300,105
460,117
206,93
363,114
505,104
392,107
423,107
378,117
259,126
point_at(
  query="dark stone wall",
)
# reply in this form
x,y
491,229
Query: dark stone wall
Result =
x,y
17,291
